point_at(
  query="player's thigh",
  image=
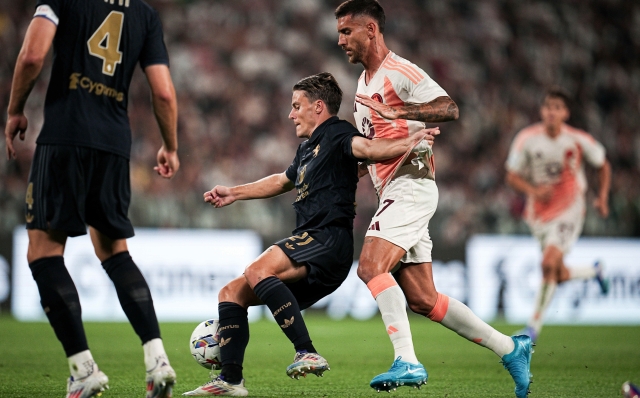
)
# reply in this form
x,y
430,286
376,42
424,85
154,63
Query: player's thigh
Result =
x,y
416,281
109,195
273,262
56,190
563,231
402,220
238,291
328,256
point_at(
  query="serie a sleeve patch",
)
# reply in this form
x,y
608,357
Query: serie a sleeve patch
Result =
x,y
46,12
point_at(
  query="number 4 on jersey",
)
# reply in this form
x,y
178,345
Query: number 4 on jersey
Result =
x,y
105,41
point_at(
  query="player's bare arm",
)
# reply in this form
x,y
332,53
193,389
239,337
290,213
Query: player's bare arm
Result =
x,y
541,192
267,187
441,109
35,48
386,148
165,107
601,203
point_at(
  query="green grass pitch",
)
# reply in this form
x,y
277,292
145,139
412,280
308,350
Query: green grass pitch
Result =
x,y
574,361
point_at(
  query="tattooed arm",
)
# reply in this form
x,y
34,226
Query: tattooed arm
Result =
x,y
441,109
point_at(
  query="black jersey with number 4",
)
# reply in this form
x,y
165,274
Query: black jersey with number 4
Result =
x,y
97,45
325,173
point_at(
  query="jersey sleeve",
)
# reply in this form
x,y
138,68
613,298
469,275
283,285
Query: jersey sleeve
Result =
x,y
49,9
517,161
344,139
154,50
422,88
592,151
292,170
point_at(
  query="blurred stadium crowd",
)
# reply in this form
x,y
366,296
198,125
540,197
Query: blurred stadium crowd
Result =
x,y
234,63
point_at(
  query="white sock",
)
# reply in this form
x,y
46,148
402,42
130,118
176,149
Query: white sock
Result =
x,y
456,316
584,272
154,353
81,364
393,308
543,299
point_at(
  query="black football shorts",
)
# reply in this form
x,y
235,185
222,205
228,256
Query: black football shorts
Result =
x,y
71,187
328,256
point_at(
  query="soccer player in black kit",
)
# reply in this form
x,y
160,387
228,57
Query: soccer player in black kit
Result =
x,y
299,270
80,170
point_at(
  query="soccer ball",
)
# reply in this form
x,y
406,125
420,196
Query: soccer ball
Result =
x,y
204,344
630,390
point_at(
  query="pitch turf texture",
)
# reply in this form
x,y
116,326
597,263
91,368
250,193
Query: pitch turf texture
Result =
x,y
575,361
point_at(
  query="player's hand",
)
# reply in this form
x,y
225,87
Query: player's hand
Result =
x,y
168,163
424,139
16,125
383,110
219,196
543,192
602,205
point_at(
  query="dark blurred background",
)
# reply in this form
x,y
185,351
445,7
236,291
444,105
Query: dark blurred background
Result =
x,y
234,63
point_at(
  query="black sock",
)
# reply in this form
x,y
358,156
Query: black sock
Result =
x,y
233,331
285,309
134,295
60,301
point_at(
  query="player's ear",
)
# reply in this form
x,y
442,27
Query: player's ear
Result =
x,y
319,106
372,28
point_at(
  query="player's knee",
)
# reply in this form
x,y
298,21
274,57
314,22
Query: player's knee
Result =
x,y
423,304
226,294
365,273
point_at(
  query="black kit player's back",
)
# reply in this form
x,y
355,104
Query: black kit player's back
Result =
x,y
97,45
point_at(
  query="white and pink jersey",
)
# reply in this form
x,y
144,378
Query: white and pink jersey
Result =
x,y
397,82
558,162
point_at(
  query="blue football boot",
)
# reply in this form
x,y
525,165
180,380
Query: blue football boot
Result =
x,y
400,374
518,363
527,331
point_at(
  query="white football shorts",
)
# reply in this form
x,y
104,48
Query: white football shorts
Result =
x,y
563,231
403,215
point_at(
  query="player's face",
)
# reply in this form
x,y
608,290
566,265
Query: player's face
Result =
x,y
352,37
554,112
303,113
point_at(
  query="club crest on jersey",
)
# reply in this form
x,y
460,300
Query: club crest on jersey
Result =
x,y
377,97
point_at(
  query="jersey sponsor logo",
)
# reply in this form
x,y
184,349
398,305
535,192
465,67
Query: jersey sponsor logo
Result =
x,y
303,192
77,81
367,128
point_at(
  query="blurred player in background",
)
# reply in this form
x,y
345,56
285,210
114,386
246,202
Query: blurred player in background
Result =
x,y
296,272
546,164
395,98
80,170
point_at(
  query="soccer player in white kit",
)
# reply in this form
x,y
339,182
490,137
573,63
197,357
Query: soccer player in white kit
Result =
x,y
546,163
394,99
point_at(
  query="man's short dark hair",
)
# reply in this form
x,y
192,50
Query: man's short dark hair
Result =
x,y
370,8
322,86
559,93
